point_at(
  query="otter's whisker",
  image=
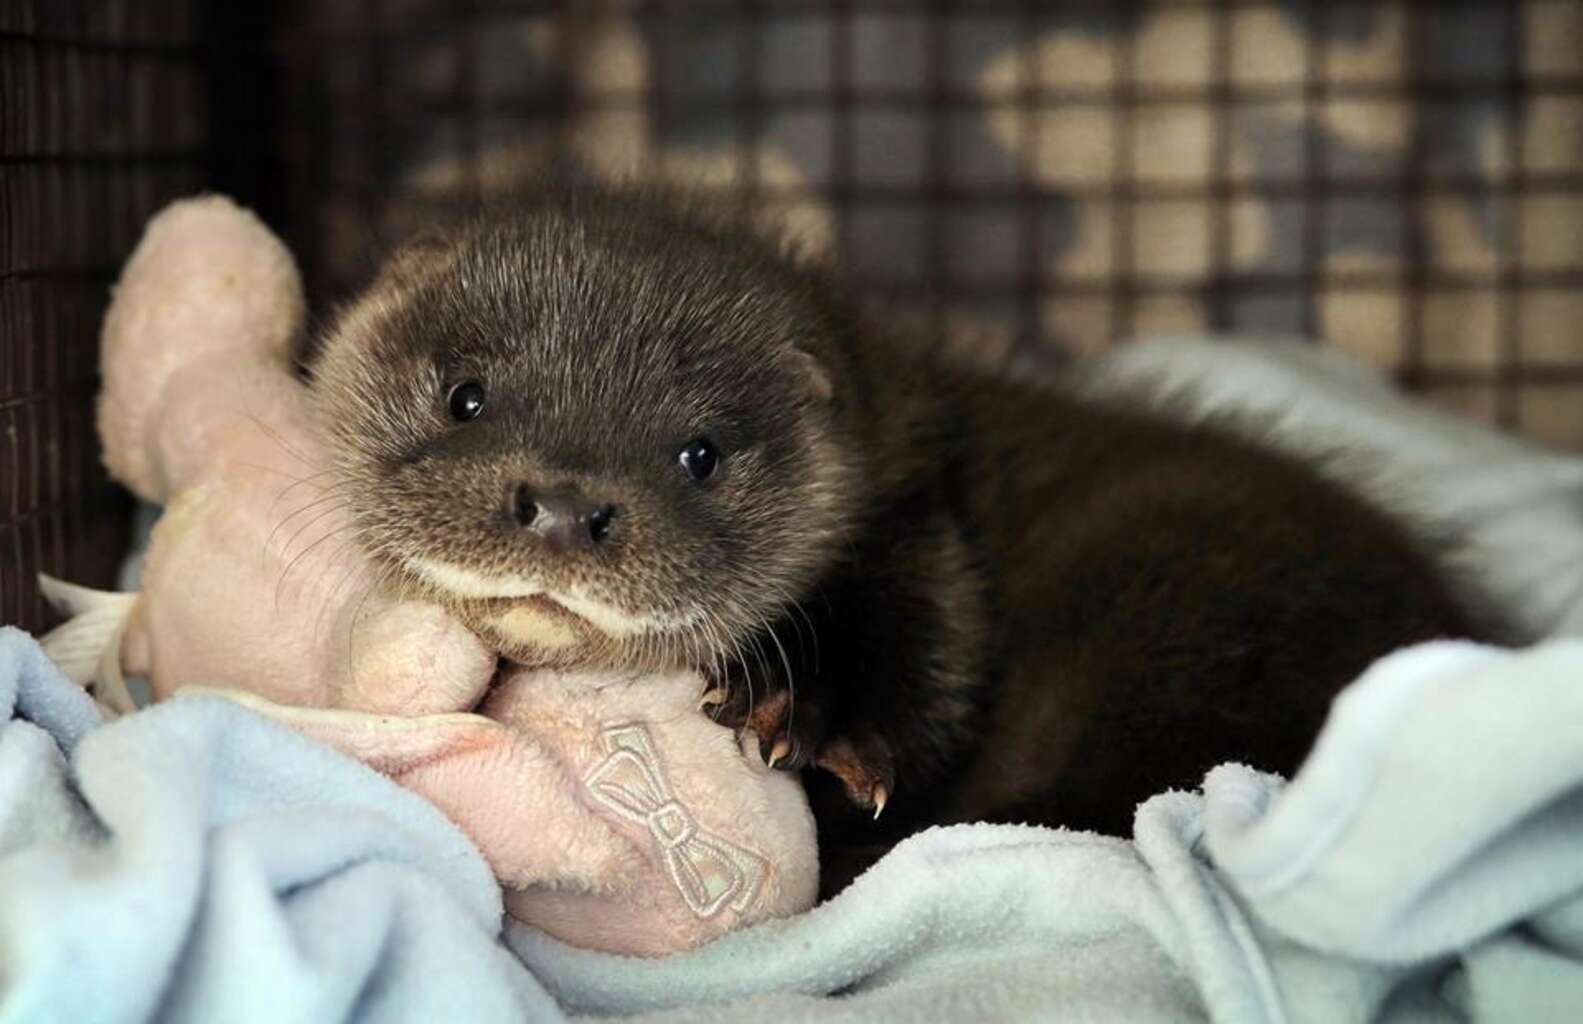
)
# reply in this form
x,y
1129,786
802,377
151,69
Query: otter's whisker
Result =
x,y
813,633
791,682
310,506
335,592
286,572
306,481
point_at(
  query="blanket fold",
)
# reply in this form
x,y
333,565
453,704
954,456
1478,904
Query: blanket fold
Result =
x,y
1426,863
197,862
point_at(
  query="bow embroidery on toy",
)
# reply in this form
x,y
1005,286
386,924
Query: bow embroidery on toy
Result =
x,y
709,872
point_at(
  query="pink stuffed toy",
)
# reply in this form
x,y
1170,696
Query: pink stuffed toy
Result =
x,y
614,812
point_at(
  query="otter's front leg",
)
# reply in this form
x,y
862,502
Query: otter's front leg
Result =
x,y
876,677
781,707
788,721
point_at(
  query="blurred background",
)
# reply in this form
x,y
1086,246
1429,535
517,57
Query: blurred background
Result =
x,y
1401,180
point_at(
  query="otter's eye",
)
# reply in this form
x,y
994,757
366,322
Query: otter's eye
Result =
x,y
466,401
699,459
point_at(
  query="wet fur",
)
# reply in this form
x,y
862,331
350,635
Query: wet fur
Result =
x,y
1044,609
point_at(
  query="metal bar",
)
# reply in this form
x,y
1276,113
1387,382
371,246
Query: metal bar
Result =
x,y
1509,248
891,98
1218,297
1124,192
1415,248
936,156
1313,195
1393,187
750,105
842,144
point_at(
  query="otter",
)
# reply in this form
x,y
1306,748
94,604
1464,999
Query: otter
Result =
x,y
610,427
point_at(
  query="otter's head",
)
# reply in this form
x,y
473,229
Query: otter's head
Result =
x,y
601,431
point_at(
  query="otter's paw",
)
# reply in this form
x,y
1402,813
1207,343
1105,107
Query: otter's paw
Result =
x,y
865,766
788,730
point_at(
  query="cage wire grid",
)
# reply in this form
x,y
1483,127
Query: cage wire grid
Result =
x,y
99,124
1403,180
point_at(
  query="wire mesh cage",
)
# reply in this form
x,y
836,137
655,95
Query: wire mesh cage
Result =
x,y
1403,180
102,121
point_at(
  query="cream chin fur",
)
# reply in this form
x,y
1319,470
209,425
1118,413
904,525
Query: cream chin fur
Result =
x,y
526,626
605,617
466,583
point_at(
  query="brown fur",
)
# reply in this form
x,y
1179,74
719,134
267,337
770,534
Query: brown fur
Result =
x,y
964,597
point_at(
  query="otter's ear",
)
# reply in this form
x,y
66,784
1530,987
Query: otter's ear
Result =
x,y
812,371
417,257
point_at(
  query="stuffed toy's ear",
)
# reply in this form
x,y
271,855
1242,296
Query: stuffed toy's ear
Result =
x,y
208,280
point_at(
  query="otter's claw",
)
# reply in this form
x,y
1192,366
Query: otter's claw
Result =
x,y
714,698
864,765
788,731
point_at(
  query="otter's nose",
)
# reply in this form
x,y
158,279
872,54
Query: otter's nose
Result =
x,y
563,517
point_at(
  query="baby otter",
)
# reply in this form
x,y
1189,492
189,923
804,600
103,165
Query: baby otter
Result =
x,y
610,429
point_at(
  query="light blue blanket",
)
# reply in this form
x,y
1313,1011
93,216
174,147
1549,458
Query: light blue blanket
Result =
x,y
194,862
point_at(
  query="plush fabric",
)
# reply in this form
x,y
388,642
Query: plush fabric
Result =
x,y
248,580
615,815
1426,864
194,862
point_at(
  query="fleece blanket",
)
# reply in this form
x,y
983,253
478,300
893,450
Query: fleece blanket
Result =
x,y
195,862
